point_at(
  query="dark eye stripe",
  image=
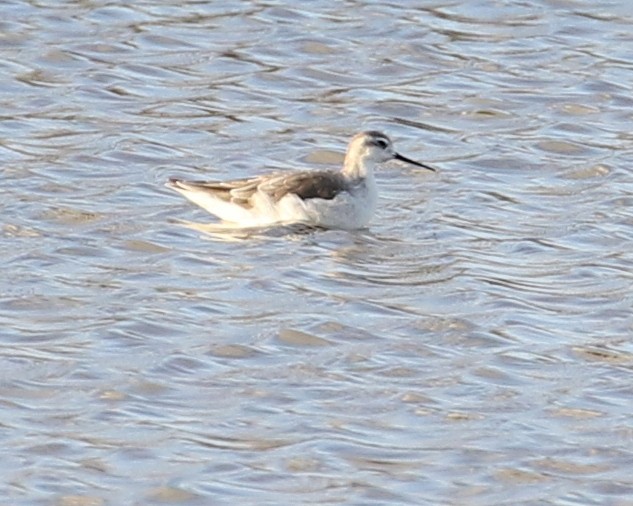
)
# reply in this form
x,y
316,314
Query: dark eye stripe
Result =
x,y
381,143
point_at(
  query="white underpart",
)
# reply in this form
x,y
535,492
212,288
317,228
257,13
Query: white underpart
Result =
x,y
224,210
348,210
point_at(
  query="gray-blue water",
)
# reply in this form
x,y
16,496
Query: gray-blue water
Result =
x,y
472,346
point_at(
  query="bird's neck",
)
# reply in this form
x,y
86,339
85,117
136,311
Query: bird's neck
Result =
x,y
358,168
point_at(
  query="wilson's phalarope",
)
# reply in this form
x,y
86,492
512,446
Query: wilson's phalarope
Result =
x,y
328,199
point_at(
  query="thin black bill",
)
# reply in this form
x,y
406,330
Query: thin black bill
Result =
x,y
413,162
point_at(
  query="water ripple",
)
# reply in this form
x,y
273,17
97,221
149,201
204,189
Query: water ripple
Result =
x,y
470,344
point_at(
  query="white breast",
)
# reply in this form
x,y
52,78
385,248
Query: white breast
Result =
x,y
348,210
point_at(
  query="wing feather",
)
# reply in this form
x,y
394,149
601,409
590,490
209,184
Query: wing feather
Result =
x,y
304,184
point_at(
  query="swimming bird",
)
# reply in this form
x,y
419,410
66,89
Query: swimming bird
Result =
x,y
344,199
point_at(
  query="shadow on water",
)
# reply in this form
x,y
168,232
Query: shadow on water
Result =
x,y
232,233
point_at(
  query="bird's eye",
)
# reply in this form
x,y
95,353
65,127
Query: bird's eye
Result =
x,y
381,143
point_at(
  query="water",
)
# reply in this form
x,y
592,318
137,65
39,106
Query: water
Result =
x,y
473,346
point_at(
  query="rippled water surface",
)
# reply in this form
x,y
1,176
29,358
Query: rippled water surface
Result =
x,y
472,346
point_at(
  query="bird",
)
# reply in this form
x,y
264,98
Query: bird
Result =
x,y
327,199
